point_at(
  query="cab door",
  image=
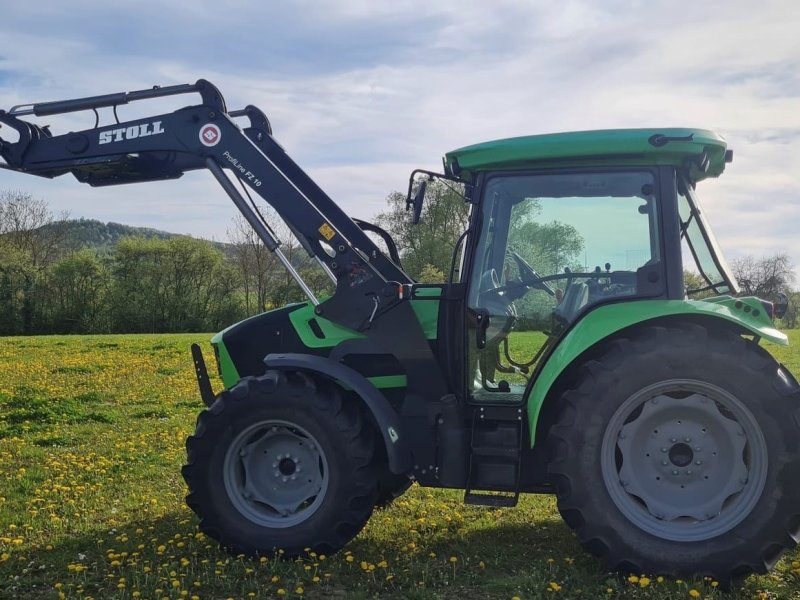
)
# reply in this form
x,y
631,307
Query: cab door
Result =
x,y
551,246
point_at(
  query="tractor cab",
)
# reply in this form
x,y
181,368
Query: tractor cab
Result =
x,y
565,223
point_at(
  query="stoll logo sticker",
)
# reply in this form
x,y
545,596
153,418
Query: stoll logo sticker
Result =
x,y
210,135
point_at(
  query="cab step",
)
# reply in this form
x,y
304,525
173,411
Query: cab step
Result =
x,y
495,455
496,500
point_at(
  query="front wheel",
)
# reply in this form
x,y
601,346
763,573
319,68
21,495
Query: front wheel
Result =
x,y
280,462
677,452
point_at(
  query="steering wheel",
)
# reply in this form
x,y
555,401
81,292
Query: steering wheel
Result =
x,y
529,278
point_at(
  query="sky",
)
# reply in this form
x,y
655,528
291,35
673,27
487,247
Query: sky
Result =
x,y
361,92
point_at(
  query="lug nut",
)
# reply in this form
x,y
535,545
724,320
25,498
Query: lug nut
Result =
x,y
687,439
674,471
698,462
664,450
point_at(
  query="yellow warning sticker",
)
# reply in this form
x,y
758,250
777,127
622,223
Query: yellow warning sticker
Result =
x,y
327,231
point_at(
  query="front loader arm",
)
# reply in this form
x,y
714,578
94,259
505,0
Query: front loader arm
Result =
x,y
206,137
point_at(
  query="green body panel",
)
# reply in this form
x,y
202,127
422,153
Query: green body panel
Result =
x,y
427,312
619,147
227,370
606,320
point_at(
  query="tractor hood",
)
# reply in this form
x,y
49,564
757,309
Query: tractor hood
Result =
x,y
669,146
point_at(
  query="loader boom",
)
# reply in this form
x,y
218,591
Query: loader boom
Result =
x,y
205,136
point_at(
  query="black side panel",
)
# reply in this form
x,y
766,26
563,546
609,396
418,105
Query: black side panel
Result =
x,y
251,340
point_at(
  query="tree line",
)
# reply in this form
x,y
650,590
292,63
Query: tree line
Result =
x,y
149,284
141,284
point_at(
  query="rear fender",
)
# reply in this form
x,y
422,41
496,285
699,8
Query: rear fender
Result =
x,y
748,314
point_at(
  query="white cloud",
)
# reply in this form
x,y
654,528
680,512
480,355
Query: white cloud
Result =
x,y
361,92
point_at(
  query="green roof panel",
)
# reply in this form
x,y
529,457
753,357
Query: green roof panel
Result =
x,y
669,146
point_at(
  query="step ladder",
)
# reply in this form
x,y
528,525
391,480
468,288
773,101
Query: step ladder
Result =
x,y
495,452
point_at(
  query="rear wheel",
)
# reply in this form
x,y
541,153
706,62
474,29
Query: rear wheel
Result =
x,y
279,462
677,452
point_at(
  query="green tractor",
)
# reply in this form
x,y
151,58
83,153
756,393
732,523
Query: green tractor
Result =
x,y
563,355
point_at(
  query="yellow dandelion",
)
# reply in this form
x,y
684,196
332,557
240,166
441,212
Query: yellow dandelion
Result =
x,y
644,582
694,593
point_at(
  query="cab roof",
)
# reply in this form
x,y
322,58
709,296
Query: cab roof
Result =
x,y
668,146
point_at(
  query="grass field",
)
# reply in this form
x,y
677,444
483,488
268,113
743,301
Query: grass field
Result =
x,y
92,434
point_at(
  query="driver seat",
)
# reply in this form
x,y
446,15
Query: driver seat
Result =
x,y
577,297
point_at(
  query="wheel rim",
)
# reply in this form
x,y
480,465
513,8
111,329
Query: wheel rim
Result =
x,y
275,474
684,460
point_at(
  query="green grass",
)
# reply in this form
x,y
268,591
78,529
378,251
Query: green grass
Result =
x,y
91,502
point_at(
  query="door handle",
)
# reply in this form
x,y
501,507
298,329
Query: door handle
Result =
x,y
482,324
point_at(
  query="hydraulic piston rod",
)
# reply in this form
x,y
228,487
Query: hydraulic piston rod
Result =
x,y
261,230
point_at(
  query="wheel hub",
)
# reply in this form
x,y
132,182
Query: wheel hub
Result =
x,y
681,455
287,466
275,474
681,460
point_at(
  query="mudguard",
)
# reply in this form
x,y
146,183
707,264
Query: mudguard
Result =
x,y
397,450
747,313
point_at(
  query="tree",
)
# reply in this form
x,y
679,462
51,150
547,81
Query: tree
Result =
x,y
180,284
28,228
430,243
764,277
265,281
78,287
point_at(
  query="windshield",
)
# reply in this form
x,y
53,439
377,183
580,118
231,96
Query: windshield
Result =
x,y
703,247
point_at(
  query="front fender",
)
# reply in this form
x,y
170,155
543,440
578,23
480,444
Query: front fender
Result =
x,y
397,449
597,325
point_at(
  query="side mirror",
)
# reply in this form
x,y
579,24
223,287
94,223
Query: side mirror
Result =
x,y
781,305
419,198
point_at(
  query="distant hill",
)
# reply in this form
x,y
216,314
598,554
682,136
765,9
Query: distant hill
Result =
x,y
90,233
